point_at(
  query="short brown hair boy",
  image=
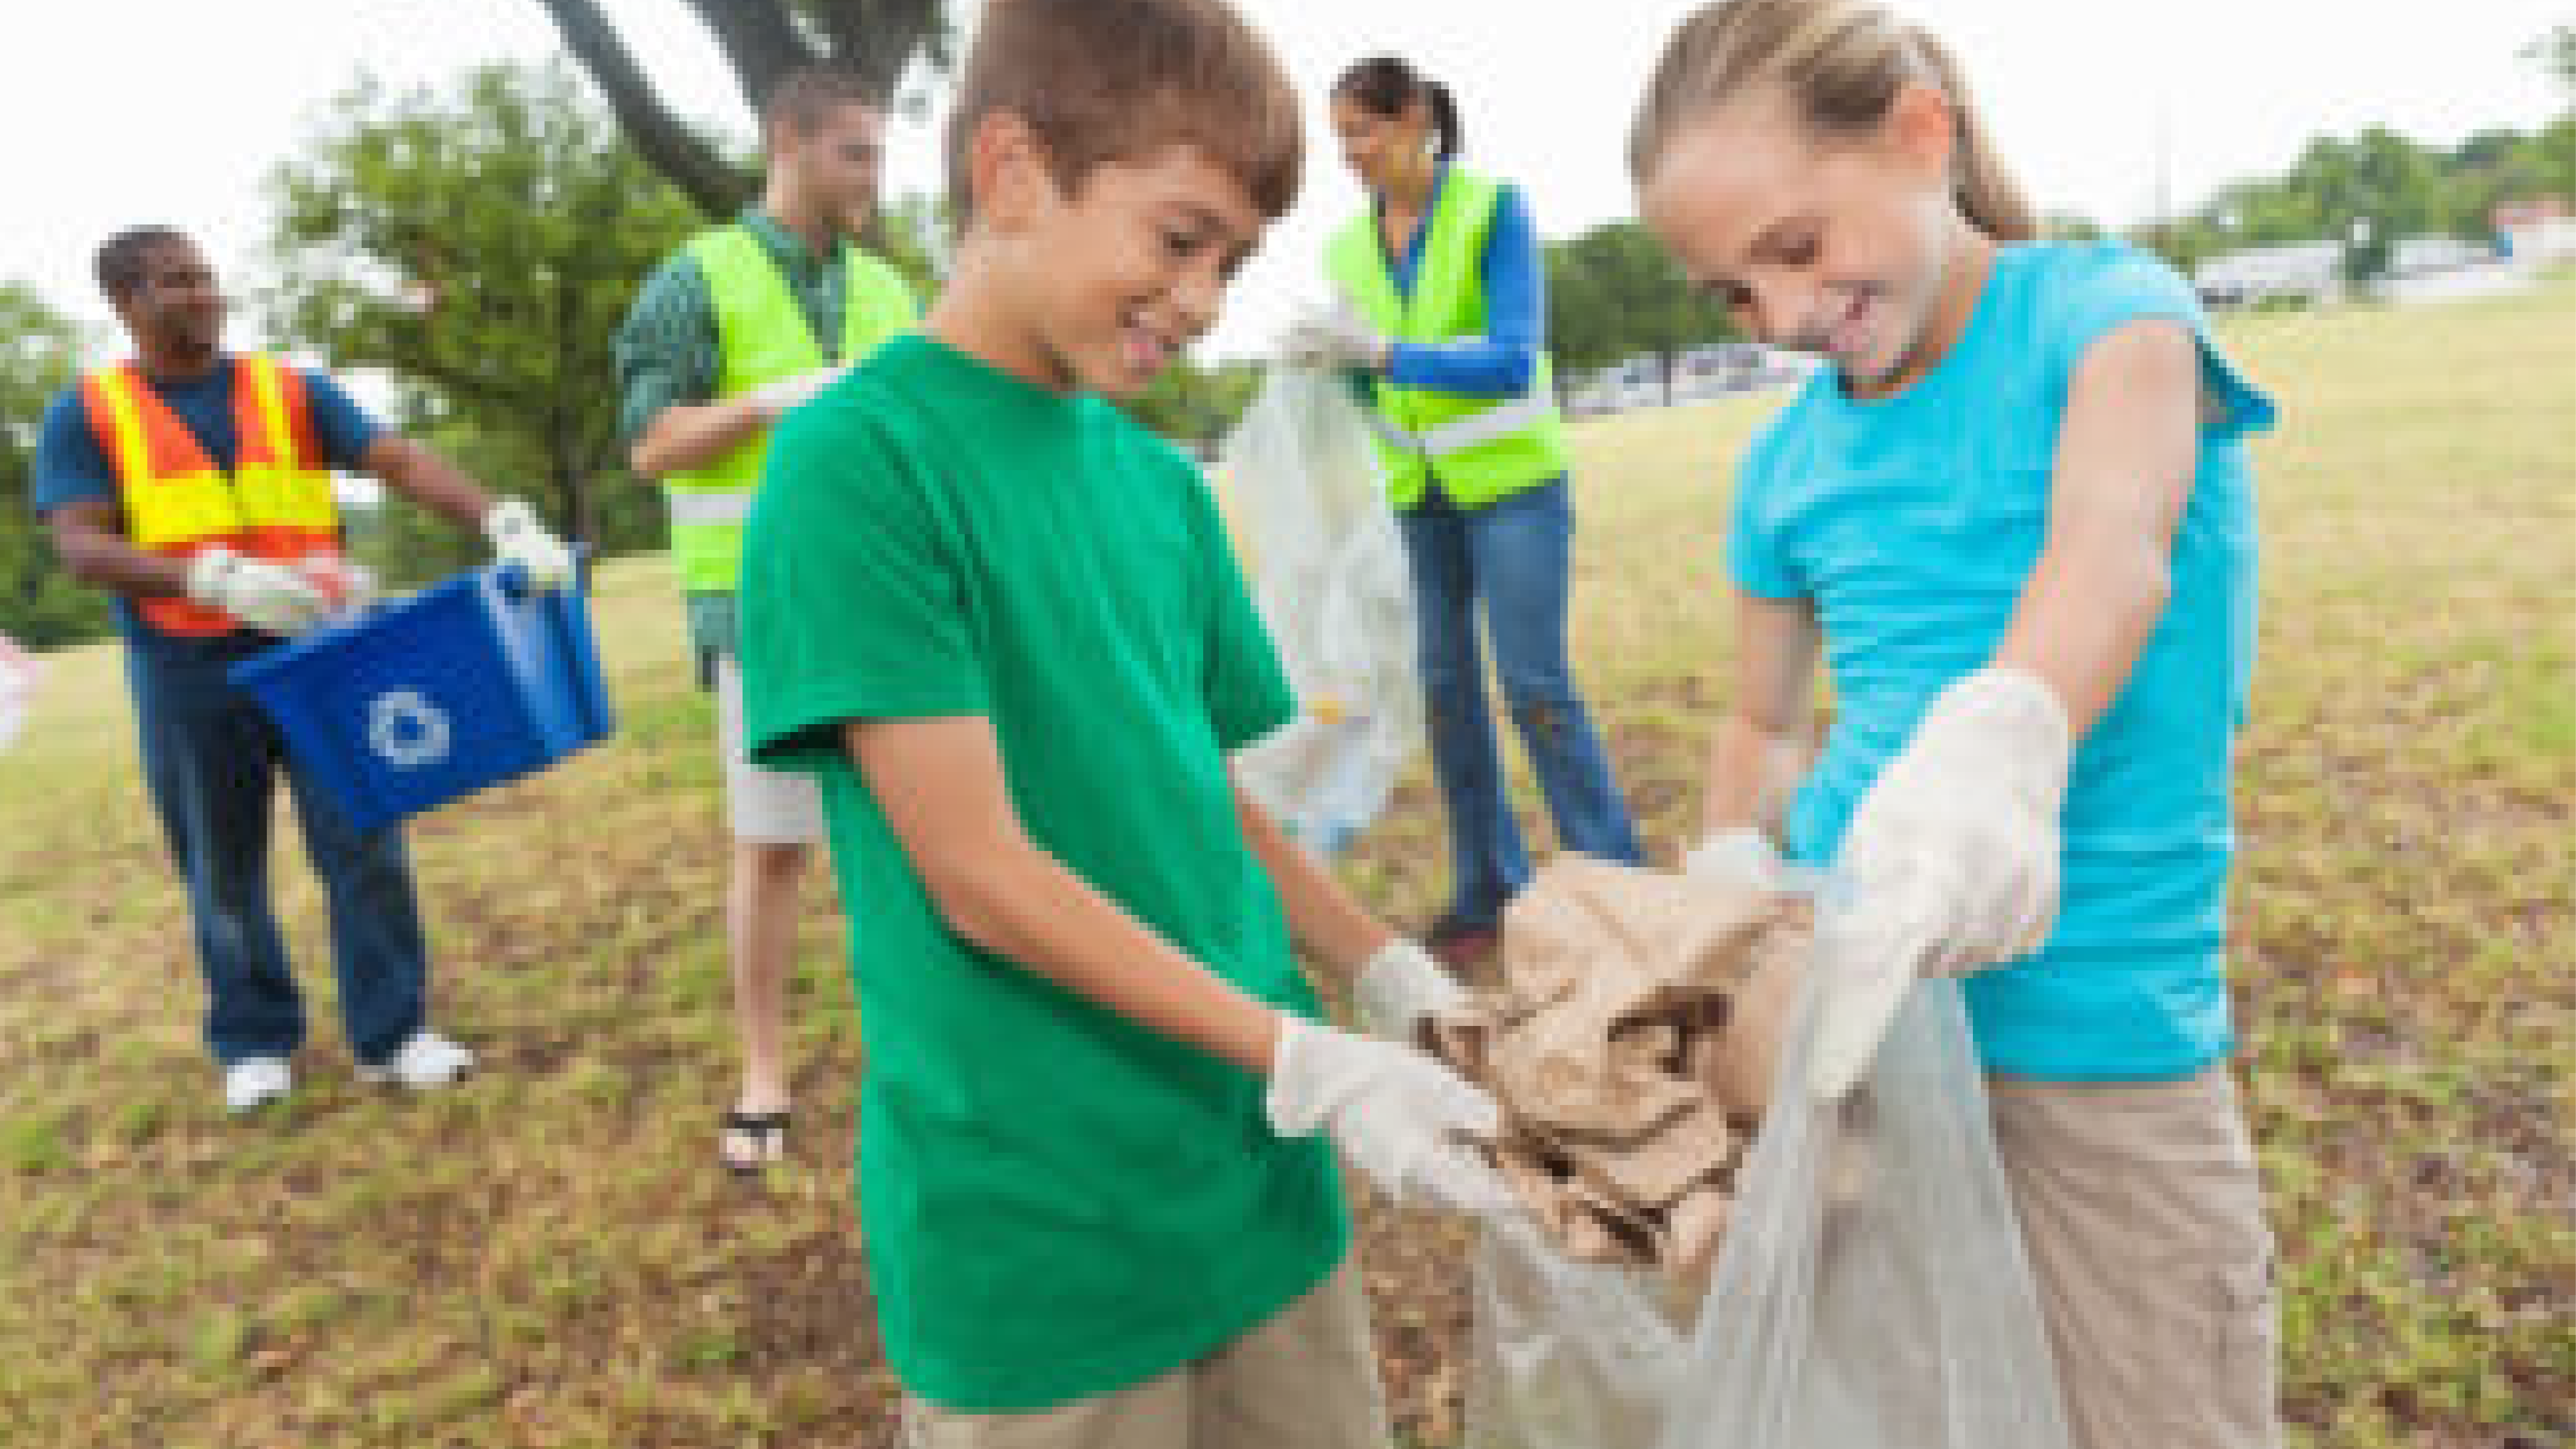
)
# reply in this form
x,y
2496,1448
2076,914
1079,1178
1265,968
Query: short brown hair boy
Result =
x,y
1115,80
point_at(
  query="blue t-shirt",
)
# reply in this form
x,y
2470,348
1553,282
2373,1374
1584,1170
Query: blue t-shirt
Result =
x,y
1912,523
72,465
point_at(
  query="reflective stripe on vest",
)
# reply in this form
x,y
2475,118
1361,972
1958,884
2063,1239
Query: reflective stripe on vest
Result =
x,y
1481,449
709,507
1474,430
762,337
277,505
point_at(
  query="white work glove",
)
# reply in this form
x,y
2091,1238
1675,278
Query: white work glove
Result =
x,y
1325,337
1951,859
1399,986
272,598
1394,1113
774,399
1740,855
519,538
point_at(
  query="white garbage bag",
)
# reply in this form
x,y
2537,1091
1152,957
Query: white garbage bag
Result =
x,y
1308,505
1871,1290
18,670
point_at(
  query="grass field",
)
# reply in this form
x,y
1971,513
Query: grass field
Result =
x,y
547,1257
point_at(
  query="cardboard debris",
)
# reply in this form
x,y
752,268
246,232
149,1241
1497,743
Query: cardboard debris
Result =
x,y
1631,1043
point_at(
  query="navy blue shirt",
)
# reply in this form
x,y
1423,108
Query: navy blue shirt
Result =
x,y
72,465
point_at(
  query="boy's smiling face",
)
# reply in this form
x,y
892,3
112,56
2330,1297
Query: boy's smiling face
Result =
x,y
1106,281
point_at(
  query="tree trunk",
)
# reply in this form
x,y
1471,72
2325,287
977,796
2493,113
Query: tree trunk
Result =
x,y
573,489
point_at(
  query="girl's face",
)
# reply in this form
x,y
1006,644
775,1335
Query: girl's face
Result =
x,y
1383,151
1847,248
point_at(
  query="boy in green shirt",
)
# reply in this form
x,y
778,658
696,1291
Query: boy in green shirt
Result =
x,y
1000,624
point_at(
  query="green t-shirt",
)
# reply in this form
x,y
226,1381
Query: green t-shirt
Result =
x,y
1057,1202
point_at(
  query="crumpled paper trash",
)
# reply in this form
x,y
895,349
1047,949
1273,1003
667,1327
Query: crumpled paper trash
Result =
x,y
1630,1043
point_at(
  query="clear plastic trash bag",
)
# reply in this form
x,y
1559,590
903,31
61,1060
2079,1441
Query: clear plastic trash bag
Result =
x,y
1308,508
1871,1291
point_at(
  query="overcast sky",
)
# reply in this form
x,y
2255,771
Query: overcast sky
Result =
x,y
119,111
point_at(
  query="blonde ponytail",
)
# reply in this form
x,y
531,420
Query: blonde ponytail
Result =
x,y
1988,194
1844,63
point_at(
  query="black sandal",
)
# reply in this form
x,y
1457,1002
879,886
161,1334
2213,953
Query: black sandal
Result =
x,y
767,1133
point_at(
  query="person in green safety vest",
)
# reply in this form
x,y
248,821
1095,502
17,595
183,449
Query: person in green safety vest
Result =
x,y
741,324
1441,319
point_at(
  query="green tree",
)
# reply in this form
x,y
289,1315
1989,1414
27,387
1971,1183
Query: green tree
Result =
x,y
481,247
1614,292
761,40
40,604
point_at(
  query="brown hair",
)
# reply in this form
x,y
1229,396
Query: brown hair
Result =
x,y
1844,62
803,96
1116,80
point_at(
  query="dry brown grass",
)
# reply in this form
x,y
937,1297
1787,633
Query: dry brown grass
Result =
x,y
546,1256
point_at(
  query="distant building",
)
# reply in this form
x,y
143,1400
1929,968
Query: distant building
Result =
x,y
2535,229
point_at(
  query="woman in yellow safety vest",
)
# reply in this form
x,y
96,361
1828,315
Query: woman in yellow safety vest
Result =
x,y
1441,315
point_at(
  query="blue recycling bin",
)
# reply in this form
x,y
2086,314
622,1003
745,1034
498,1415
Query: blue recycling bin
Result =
x,y
469,683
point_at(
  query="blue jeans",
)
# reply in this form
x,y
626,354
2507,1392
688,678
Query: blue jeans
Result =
x,y
1514,556
210,759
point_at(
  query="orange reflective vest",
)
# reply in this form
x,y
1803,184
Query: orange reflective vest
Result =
x,y
276,505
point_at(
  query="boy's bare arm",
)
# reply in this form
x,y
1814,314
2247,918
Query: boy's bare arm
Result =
x,y
2126,454
1764,738
1324,917
941,785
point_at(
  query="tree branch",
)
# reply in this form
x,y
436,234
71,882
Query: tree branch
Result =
x,y
695,167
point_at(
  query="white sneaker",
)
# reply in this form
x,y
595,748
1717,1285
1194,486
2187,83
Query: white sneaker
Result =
x,y
426,1059
255,1082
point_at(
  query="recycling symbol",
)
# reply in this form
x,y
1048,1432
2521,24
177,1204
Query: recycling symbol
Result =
x,y
407,730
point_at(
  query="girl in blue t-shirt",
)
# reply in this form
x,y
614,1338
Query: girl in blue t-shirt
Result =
x,y
2013,519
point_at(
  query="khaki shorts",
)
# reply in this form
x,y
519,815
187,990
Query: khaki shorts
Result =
x,y
1304,1379
2143,1215
766,806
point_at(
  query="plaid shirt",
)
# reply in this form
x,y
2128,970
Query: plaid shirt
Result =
x,y
667,349
669,354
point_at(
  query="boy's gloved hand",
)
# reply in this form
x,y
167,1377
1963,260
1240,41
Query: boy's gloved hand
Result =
x,y
272,598
773,400
1395,1113
1398,987
519,538
1333,337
